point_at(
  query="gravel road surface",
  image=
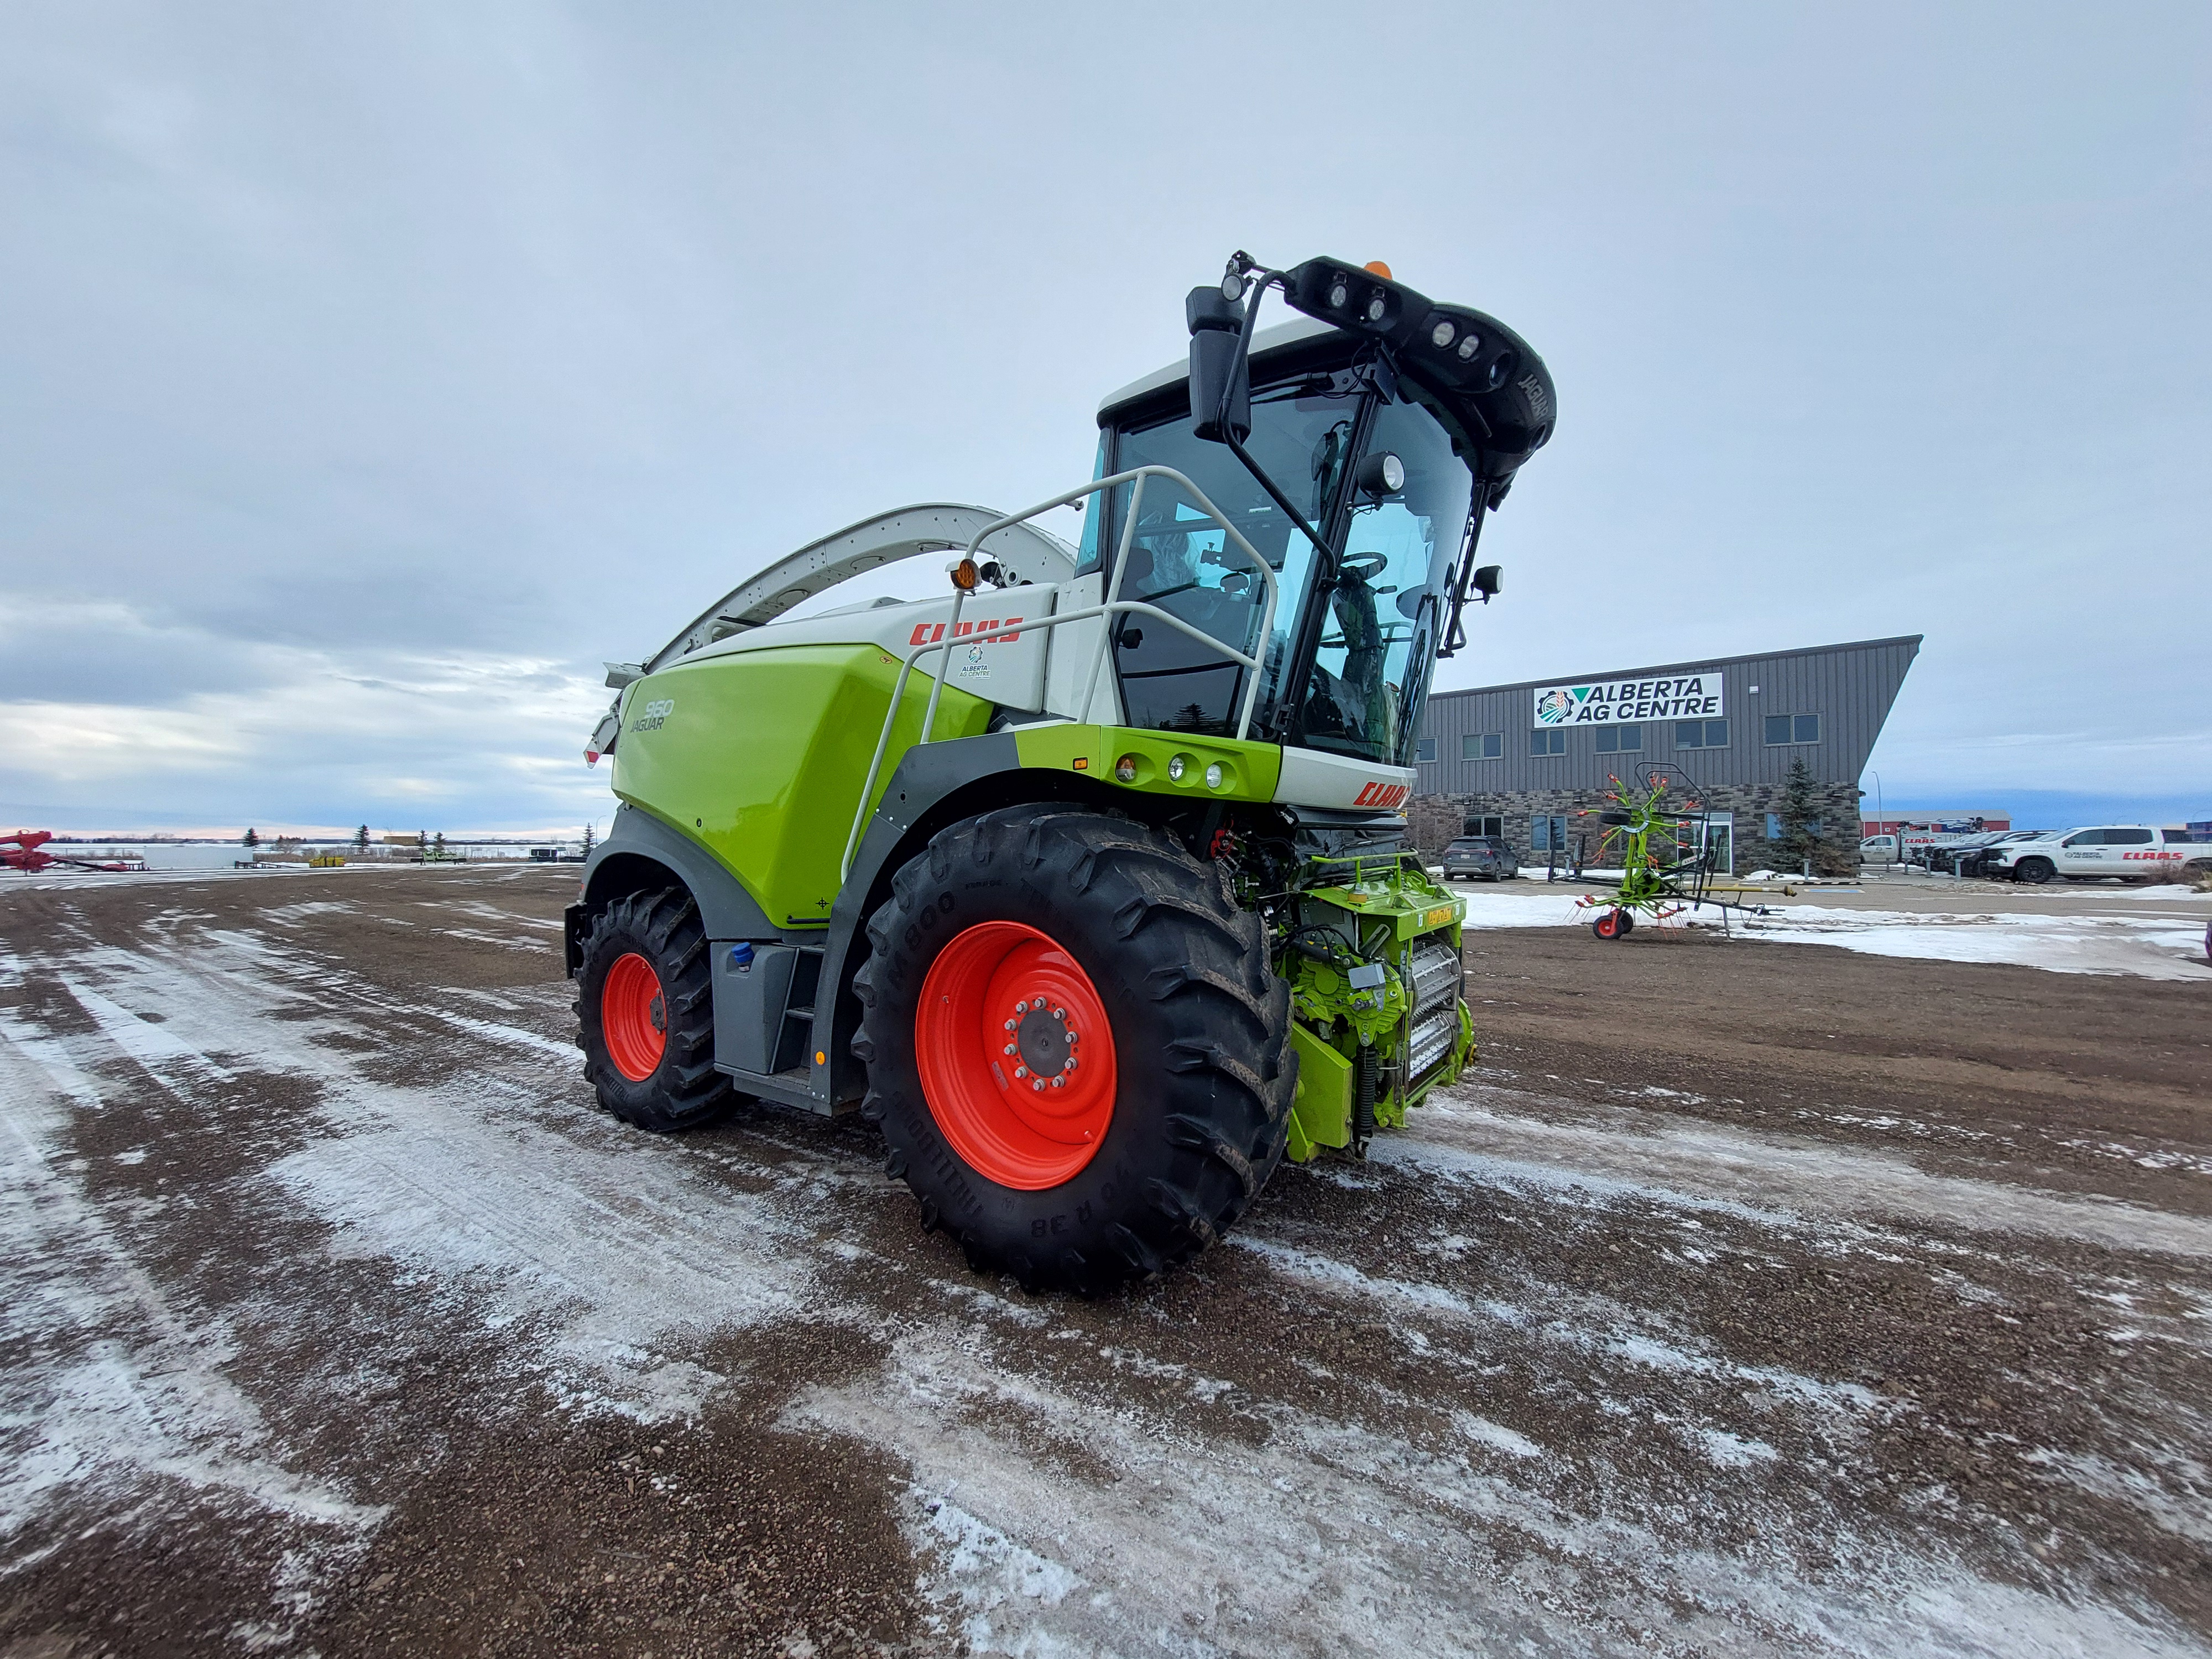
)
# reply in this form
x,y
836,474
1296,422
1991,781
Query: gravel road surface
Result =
x,y
1751,1299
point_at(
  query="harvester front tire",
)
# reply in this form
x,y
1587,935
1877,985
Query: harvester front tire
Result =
x,y
1068,1192
644,1010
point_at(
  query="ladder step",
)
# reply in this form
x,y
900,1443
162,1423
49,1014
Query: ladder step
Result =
x,y
799,1013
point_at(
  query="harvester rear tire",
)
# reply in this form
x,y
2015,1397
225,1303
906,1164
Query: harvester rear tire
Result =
x,y
1196,1032
645,1011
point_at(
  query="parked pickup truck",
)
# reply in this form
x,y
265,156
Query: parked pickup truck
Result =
x,y
2133,851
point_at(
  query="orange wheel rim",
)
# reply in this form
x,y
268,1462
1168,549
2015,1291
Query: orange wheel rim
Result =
x,y
634,1015
1016,1055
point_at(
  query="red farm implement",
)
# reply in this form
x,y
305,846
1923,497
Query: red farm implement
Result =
x,y
26,850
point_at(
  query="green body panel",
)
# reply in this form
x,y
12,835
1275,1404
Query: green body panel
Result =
x,y
1321,1115
759,756
1249,770
1387,907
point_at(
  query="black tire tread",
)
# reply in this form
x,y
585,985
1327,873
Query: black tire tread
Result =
x,y
1218,1049
687,1091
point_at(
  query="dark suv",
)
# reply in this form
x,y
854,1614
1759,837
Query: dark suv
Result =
x,y
1480,855
1975,860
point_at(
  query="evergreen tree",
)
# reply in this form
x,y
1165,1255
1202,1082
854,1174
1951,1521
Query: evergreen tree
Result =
x,y
438,847
361,838
587,841
1802,836
250,839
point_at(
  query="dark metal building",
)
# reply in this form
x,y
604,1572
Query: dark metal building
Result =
x,y
1522,760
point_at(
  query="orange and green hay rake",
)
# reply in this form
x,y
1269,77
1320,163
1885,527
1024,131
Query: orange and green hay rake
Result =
x,y
1666,856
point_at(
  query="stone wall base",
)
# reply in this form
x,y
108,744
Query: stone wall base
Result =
x,y
1435,819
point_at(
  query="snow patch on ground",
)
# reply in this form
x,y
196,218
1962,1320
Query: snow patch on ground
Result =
x,y
1476,1132
130,1388
2153,947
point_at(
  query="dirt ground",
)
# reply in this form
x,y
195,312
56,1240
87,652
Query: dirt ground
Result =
x,y
1751,1299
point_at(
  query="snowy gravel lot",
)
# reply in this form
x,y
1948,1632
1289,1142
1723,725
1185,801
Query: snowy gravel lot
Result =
x,y
1751,1299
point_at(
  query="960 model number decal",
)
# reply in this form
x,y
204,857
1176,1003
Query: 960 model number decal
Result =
x,y
653,715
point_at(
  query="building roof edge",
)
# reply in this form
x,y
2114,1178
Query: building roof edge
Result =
x,y
1912,639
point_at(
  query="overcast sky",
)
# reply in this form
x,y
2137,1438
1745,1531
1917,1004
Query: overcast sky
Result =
x,y
369,373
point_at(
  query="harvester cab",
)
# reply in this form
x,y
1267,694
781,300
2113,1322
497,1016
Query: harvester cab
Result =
x,y
1088,879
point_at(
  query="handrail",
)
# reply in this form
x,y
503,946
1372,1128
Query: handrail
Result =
x,y
1113,605
1135,477
1120,607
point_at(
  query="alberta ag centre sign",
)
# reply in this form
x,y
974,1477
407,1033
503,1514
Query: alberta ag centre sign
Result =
x,y
1602,702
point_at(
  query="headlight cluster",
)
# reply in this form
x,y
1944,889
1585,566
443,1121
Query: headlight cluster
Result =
x,y
1358,300
1132,768
1461,347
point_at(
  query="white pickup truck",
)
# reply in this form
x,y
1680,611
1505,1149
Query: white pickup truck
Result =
x,y
2132,851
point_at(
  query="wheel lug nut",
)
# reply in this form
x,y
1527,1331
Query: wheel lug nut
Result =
x,y
1059,1083
1021,1008
1010,1049
1021,1071
1061,1014
1038,1084
1009,1025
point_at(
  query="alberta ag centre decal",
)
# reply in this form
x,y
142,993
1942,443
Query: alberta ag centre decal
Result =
x,y
1602,702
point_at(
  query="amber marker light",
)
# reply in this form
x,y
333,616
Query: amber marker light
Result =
x,y
1378,268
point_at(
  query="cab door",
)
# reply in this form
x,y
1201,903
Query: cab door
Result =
x,y
2082,854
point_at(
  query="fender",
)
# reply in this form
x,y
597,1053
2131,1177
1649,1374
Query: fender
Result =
x,y
727,910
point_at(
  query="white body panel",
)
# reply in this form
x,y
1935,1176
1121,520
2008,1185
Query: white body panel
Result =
x,y
1310,778
1007,669
1074,653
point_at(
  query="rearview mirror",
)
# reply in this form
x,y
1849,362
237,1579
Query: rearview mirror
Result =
x,y
1220,376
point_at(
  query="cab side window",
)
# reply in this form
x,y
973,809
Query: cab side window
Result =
x,y
2127,837
2086,838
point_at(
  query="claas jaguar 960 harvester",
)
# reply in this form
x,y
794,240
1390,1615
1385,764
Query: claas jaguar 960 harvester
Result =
x,y
1088,879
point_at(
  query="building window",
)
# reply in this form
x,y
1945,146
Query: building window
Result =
x,y
1700,734
1793,728
1554,742
1482,745
1613,739
1547,835
1478,824
1425,749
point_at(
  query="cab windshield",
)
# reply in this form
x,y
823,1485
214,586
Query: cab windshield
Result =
x,y
1378,626
1357,638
